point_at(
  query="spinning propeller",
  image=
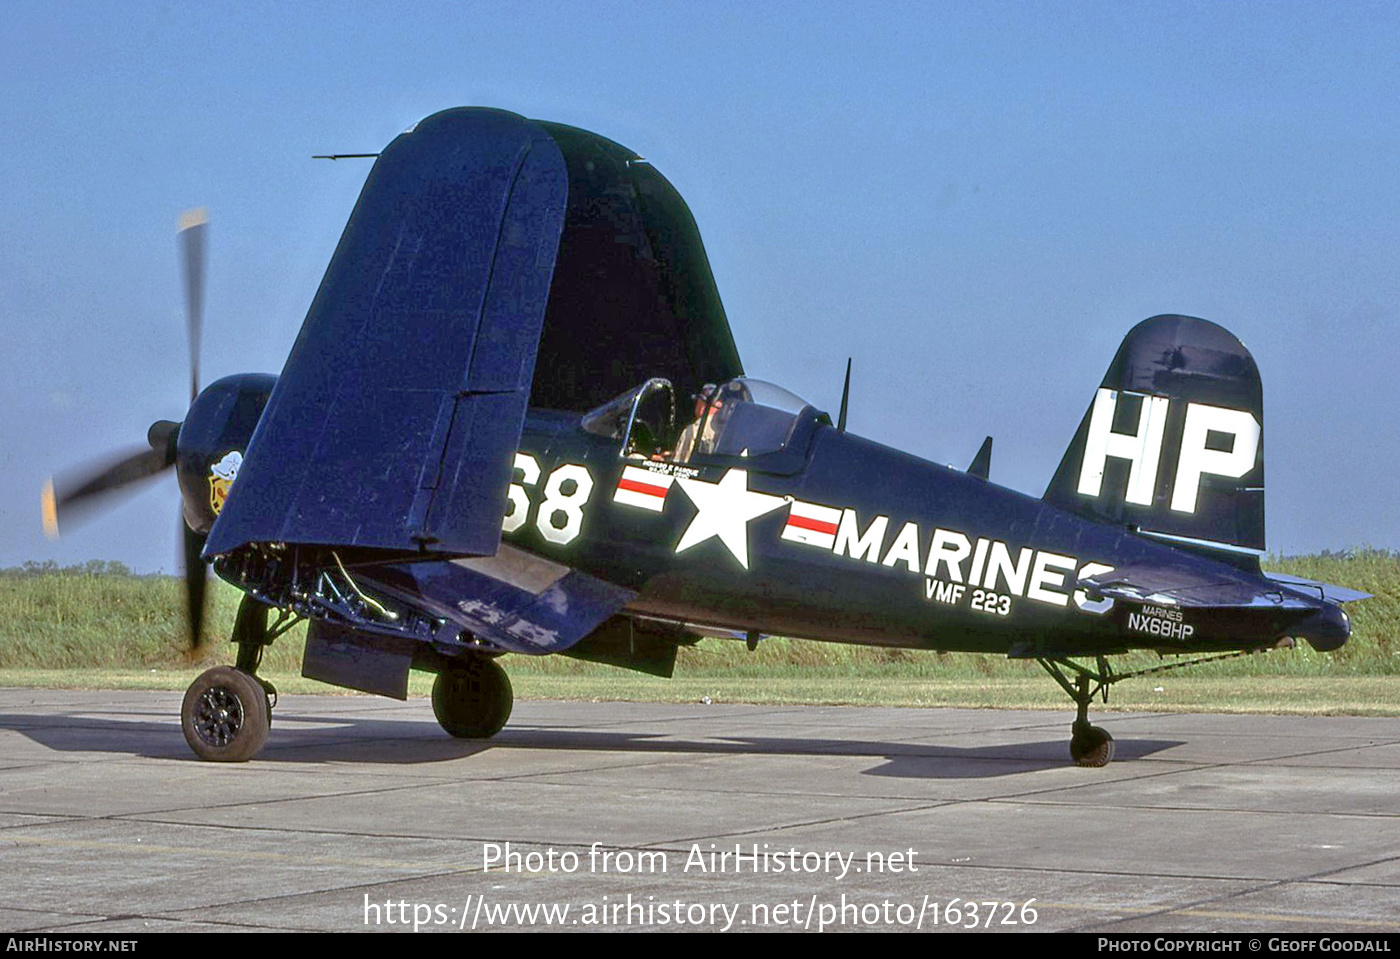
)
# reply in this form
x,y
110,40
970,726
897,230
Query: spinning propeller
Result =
x,y
72,497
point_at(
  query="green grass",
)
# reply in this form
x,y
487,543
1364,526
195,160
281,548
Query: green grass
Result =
x,y
95,627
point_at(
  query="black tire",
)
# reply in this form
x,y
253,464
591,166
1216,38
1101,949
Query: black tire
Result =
x,y
225,716
1092,747
473,699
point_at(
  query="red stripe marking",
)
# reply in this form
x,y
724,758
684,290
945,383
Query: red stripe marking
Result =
x,y
632,486
815,525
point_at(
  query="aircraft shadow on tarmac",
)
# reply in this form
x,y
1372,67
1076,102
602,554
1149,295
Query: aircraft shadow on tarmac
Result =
x,y
311,739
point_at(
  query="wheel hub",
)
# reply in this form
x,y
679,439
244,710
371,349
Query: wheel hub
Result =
x,y
218,716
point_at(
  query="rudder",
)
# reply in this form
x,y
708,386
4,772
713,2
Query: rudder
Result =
x,y
1173,441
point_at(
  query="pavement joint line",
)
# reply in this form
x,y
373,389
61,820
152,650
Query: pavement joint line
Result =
x,y
416,868
1359,883
139,818
543,775
1240,811
1318,878
267,900
718,748
118,817
1122,874
52,913
1028,795
298,830
76,927
804,824
42,819
1140,912
1199,908
1183,770
1322,876
1283,760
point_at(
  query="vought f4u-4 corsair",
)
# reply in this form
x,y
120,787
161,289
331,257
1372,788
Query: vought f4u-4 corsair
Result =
x,y
515,421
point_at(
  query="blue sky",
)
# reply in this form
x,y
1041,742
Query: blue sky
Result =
x,y
974,200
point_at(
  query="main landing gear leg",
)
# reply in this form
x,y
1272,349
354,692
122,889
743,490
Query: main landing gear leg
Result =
x,y
228,710
1089,745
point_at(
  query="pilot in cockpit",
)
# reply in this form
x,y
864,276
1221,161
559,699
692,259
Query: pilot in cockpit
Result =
x,y
702,428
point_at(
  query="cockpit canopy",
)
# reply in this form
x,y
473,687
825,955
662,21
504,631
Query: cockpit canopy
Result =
x,y
746,418
749,417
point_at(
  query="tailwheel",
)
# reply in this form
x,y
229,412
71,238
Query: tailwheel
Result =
x,y
225,716
472,698
1091,746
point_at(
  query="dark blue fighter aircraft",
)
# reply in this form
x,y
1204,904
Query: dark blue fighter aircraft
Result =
x,y
520,322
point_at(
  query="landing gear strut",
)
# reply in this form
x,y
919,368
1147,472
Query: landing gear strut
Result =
x,y
1089,745
472,698
227,711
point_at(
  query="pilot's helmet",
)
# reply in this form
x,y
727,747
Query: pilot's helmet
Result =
x,y
707,394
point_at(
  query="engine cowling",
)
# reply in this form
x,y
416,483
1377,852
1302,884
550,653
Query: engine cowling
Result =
x,y
212,441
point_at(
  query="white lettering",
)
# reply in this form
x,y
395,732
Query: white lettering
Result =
x,y
1164,628
1043,575
905,548
850,542
1143,448
1081,598
948,548
979,557
1196,459
516,498
999,564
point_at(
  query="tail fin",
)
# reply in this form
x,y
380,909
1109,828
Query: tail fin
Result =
x,y
1173,443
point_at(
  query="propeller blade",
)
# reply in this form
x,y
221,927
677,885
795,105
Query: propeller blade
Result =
x,y
69,499
196,578
194,225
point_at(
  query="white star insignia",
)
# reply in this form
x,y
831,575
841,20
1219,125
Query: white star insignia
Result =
x,y
725,509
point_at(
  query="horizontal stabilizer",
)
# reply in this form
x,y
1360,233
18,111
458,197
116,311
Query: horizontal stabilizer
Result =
x,y
1327,591
1190,585
1222,602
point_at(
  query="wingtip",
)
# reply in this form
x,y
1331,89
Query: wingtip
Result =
x,y
48,507
193,217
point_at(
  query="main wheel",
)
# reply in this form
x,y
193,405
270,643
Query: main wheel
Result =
x,y
1091,746
473,699
225,716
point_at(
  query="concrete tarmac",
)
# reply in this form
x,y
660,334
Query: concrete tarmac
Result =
x,y
361,814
